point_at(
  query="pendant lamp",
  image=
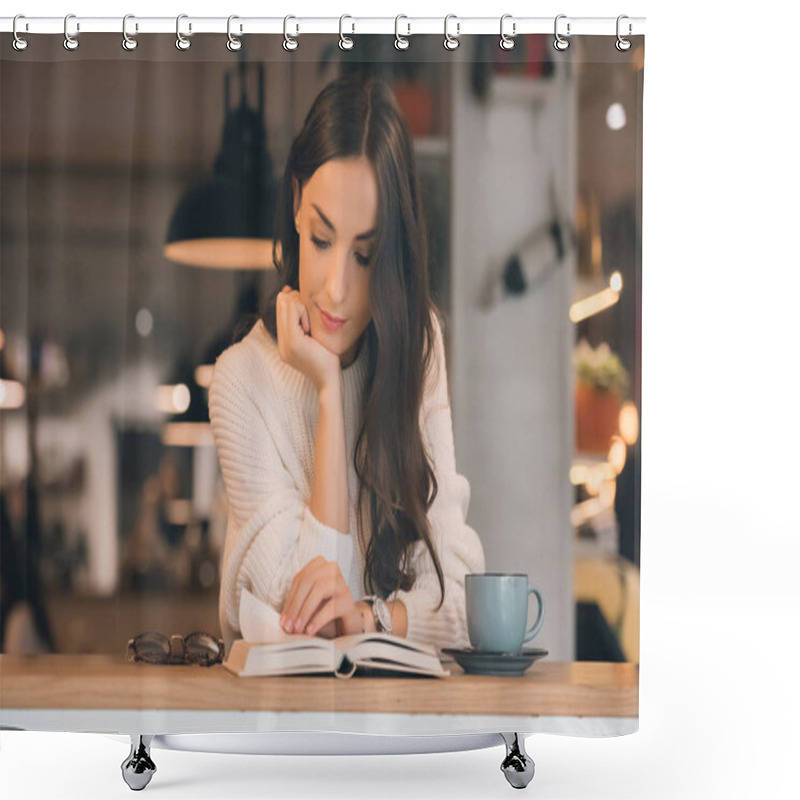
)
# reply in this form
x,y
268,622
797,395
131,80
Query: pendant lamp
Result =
x,y
226,221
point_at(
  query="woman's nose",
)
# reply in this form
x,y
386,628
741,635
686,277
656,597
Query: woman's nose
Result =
x,y
337,280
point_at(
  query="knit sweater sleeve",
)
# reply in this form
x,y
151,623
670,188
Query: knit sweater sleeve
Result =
x,y
457,545
271,533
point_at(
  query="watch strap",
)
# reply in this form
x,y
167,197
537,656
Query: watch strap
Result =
x,y
373,601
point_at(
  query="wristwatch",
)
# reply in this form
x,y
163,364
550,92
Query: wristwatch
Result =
x,y
380,613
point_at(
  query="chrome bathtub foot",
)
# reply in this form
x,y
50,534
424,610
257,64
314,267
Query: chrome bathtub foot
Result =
x,y
517,766
138,768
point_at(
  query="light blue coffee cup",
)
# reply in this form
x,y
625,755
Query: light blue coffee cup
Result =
x,y
497,611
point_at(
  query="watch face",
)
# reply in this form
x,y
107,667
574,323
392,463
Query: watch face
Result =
x,y
384,615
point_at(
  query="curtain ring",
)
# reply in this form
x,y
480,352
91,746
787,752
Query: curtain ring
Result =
x,y
560,42
182,43
451,42
401,42
506,41
128,42
234,43
623,44
19,43
70,42
345,42
288,42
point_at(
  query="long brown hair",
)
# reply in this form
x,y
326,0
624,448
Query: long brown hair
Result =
x,y
358,115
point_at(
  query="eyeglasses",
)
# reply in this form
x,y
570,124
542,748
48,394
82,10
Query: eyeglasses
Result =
x,y
195,648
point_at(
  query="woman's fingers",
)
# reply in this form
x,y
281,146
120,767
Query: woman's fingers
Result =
x,y
289,313
294,314
322,616
296,345
318,582
324,587
298,592
280,319
312,595
294,309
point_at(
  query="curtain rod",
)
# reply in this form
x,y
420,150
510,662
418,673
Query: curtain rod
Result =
x,y
296,26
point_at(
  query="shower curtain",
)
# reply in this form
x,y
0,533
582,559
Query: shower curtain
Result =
x,y
147,229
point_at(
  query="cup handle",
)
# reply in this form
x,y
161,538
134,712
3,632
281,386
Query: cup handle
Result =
x,y
539,620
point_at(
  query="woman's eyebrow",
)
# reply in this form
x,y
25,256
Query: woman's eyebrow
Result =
x,y
368,235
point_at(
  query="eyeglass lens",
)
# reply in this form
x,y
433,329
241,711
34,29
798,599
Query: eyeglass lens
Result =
x,y
151,647
197,648
201,648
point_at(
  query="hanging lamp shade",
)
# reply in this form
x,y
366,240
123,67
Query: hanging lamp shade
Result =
x,y
227,220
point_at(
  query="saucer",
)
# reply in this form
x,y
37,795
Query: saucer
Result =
x,y
485,662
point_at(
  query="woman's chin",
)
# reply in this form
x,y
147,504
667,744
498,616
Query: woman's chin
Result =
x,y
330,341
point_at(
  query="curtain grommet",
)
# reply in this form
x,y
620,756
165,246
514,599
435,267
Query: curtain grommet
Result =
x,y
345,42
401,42
506,41
561,43
182,42
623,44
234,43
289,42
451,42
70,42
19,43
129,42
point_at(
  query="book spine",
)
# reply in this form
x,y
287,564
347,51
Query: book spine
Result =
x,y
344,667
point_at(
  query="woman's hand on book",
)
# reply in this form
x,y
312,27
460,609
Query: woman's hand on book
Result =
x,y
320,603
296,345
329,631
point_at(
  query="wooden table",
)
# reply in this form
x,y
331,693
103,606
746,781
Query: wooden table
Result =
x,y
105,694
148,703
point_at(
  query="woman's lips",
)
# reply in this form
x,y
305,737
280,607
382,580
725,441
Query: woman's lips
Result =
x,y
332,324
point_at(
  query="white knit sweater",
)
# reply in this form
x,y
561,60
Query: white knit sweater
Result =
x,y
263,417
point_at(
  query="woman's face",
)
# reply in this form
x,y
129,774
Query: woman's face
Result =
x,y
335,218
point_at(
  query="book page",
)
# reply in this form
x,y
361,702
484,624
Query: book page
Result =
x,y
347,643
281,658
259,621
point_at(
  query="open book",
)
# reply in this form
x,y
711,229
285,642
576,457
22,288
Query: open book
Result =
x,y
266,649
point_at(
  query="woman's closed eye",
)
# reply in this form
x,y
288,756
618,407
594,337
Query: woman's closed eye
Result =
x,y
322,244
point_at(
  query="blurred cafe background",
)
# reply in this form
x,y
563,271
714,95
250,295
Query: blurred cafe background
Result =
x,y
136,233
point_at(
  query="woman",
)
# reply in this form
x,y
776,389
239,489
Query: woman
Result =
x,y
331,417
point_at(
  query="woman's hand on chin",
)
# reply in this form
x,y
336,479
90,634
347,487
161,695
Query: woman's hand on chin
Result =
x,y
296,345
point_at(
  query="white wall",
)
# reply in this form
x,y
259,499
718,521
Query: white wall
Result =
x,y
510,368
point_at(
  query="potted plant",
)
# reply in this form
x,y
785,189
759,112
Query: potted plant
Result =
x,y
601,383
